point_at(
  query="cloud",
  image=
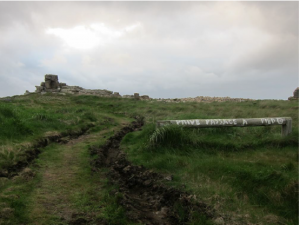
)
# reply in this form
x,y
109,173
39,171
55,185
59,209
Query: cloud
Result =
x,y
164,49
91,36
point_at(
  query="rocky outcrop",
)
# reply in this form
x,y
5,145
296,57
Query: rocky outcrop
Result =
x,y
52,84
295,95
145,97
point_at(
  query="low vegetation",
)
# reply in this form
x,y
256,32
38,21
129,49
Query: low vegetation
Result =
x,y
248,175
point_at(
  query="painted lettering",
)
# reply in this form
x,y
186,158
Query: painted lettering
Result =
x,y
279,120
266,121
207,122
234,122
230,121
245,122
212,122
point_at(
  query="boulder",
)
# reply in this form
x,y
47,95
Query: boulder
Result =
x,y
39,89
116,94
136,96
145,97
51,81
296,93
62,84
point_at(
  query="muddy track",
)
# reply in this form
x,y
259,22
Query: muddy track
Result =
x,y
33,152
144,196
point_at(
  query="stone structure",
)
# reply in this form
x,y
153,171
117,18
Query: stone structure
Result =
x,y
136,96
52,84
295,95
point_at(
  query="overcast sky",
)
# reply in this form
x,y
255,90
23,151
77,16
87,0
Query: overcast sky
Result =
x,y
160,49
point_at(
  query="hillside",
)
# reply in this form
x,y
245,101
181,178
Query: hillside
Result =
x,y
85,159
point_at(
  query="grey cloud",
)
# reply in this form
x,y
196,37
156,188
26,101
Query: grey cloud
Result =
x,y
180,49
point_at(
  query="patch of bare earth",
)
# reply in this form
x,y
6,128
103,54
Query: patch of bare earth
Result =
x,y
146,199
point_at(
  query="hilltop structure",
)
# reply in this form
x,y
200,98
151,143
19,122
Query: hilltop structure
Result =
x,y
52,85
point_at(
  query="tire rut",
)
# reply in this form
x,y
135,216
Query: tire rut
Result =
x,y
33,152
144,196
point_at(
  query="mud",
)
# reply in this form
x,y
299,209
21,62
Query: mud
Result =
x,y
145,197
32,153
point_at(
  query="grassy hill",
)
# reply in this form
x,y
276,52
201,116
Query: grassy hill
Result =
x,y
247,175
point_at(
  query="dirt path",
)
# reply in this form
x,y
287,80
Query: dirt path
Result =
x,y
61,182
146,199
64,182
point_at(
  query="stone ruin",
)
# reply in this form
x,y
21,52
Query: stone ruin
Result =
x,y
52,85
295,95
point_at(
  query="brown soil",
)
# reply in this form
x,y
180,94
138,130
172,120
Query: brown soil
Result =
x,y
146,199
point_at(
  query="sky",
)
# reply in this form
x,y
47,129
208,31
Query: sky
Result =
x,y
161,49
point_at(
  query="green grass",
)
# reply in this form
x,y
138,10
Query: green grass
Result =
x,y
264,180
64,185
249,174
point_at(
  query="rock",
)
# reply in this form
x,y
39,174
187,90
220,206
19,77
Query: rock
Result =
x,y
52,85
116,94
296,93
127,96
136,96
169,178
51,81
39,89
145,97
219,221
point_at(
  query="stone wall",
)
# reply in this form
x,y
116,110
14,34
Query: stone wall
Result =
x,y
205,99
